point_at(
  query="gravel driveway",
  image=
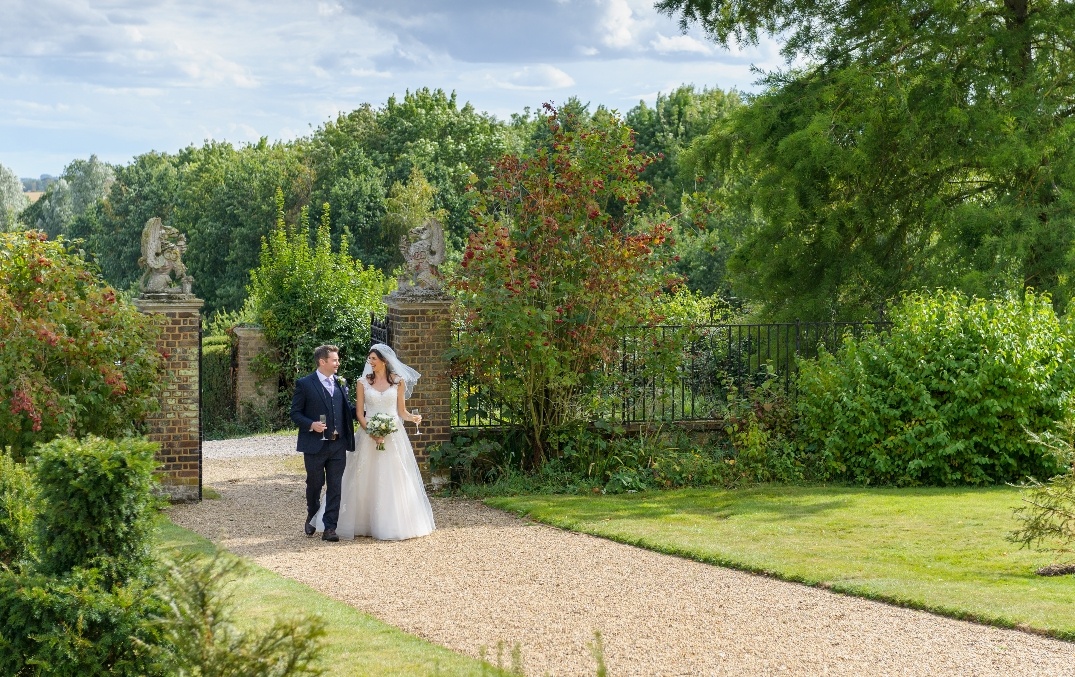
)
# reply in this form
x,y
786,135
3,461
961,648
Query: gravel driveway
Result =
x,y
486,576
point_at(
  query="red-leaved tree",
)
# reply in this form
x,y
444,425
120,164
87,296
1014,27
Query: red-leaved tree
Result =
x,y
560,264
75,358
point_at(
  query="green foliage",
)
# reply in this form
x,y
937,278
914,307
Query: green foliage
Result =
x,y
199,635
18,495
80,186
72,626
1047,516
558,267
669,128
914,145
358,156
407,206
12,200
307,295
945,398
688,308
97,506
97,603
75,358
217,382
225,205
112,229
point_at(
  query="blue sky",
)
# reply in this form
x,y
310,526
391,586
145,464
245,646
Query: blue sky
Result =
x,y
117,78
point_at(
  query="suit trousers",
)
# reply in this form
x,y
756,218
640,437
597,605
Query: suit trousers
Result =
x,y
325,466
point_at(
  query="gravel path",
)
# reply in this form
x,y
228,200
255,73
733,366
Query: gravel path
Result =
x,y
486,576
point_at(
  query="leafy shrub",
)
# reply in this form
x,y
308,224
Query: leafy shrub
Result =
x,y
304,296
468,460
97,506
96,603
75,357
945,399
217,382
73,626
1047,516
198,633
559,264
17,496
760,423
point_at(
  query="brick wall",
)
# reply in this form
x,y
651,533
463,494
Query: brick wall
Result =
x,y
421,335
251,393
177,426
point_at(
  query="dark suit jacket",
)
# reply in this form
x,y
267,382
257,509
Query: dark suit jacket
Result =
x,y
309,402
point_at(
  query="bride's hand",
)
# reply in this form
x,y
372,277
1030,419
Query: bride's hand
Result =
x,y
378,440
416,419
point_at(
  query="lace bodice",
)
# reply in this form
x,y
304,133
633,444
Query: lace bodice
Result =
x,y
378,402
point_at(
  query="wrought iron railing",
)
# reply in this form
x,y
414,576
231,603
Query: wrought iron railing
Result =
x,y
379,330
692,386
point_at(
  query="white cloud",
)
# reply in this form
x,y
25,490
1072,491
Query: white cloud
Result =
x,y
535,78
618,24
679,43
329,9
122,77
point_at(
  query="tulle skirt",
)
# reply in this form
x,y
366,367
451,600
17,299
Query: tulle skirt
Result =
x,y
382,495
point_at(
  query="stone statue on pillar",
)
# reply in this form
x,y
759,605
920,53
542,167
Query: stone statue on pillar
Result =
x,y
423,251
162,259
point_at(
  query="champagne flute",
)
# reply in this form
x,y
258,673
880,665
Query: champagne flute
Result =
x,y
416,431
324,420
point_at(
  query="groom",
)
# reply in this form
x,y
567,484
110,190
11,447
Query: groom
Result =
x,y
316,395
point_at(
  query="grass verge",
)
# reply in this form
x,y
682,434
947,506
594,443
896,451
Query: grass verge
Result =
x,y
941,550
356,643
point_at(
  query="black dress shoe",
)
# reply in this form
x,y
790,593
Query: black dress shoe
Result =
x,y
330,535
309,528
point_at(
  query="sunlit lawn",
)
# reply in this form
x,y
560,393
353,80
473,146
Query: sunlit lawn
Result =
x,y
356,643
937,549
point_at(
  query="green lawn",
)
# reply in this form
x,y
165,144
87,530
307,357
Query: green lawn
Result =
x,y
356,643
937,549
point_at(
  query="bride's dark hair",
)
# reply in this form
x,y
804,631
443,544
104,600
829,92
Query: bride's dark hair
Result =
x,y
392,377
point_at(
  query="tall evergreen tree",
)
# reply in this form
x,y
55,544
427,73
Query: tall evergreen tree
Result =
x,y
918,143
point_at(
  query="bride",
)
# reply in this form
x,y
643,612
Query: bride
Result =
x,y
383,495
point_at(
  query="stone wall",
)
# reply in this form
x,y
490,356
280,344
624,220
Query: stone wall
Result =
x,y
177,426
421,335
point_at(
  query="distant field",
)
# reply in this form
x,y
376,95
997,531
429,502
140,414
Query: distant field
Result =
x,y
34,195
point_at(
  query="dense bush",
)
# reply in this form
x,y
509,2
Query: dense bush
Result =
x,y
17,495
305,296
559,264
217,382
73,626
99,506
75,358
96,602
945,399
754,443
82,607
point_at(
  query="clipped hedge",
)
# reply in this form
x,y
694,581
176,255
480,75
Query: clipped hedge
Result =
x,y
217,381
945,399
98,501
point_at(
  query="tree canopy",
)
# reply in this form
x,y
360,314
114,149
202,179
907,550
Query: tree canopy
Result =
x,y
913,144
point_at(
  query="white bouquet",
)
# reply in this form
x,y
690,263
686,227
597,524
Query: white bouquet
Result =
x,y
381,425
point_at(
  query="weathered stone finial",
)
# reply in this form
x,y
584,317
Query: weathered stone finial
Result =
x,y
162,259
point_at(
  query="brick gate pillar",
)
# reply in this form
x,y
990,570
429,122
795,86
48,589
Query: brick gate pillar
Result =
x,y
421,335
252,394
177,426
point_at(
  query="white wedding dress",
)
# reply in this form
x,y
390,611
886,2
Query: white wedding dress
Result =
x,y
382,494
